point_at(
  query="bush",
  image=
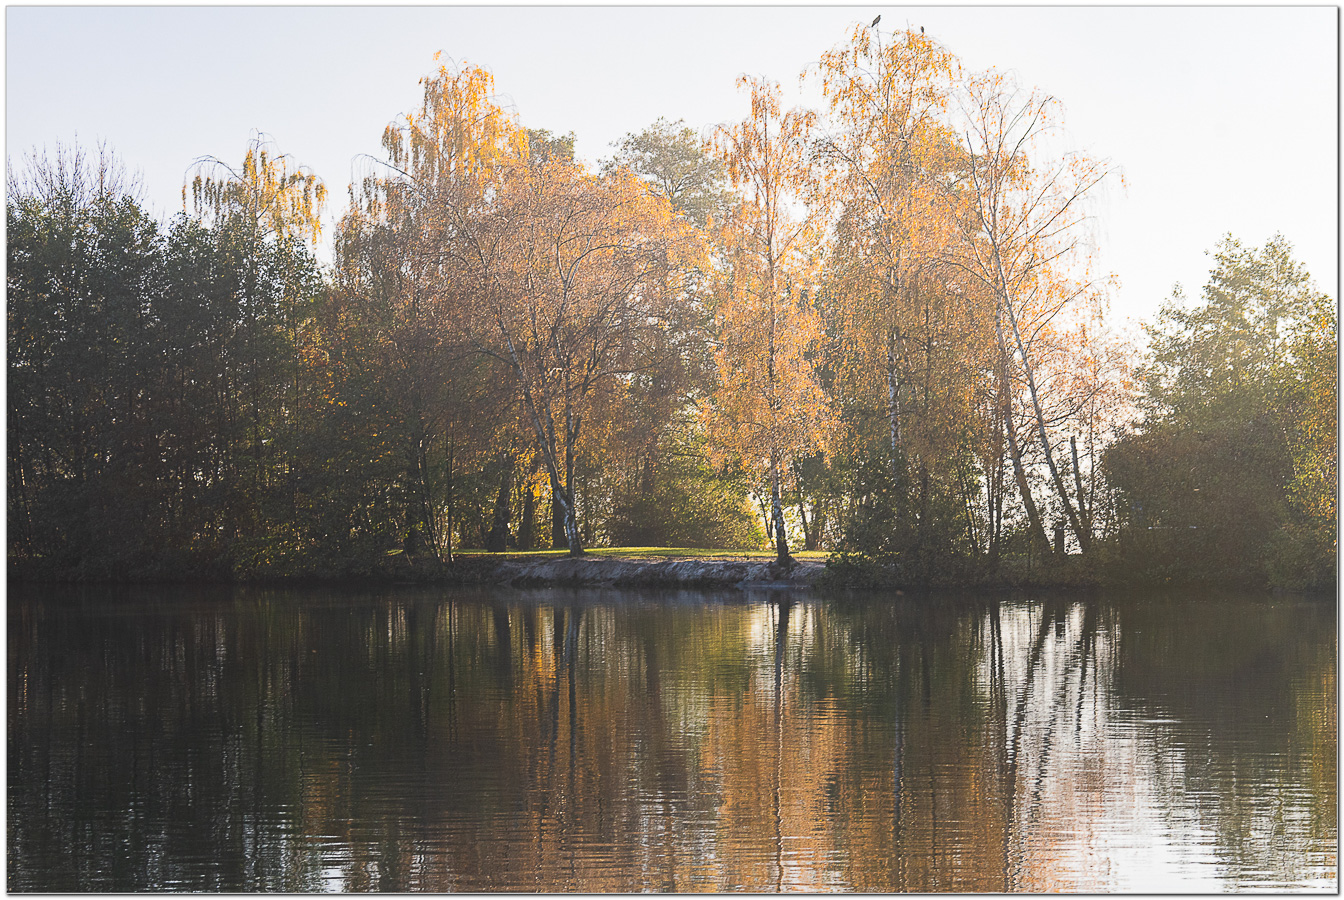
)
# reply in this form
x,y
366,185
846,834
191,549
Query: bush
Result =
x,y
701,512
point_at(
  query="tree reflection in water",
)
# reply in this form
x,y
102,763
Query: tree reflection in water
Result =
x,y
617,741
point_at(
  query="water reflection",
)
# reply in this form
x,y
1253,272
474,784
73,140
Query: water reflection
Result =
x,y
613,741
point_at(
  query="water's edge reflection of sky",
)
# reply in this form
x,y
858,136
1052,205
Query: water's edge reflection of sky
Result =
x,y
177,739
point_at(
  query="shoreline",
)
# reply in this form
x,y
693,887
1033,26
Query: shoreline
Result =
x,y
674,570
503,570
680,572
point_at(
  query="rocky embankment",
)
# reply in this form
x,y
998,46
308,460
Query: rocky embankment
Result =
x,y
720,572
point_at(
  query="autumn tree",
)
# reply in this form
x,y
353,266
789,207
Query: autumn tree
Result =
x,y
906,329
579,302
267,210
406,249
563,278
1088,368
889,155
269,192
768,408
268,200
1021,229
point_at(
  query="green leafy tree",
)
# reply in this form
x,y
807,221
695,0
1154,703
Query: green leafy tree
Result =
x,y
678,166
235,315
1314,441
1236,352
684,501
81,280
651,419
258,218
1228,464
543,146
152,379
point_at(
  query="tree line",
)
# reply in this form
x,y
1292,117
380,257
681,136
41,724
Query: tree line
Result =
x,y
870,329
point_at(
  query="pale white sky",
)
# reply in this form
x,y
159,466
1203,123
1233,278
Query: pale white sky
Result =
x,y
1221,118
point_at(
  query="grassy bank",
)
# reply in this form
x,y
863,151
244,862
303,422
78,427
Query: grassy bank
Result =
x,y
642,553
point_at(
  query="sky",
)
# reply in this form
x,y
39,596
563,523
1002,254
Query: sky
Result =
x,y
1221,119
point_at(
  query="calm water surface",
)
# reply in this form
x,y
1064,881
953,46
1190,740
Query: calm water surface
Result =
x,y
253,740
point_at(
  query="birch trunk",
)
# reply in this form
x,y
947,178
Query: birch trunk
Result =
x,y
1034,525
1084,537
777,516
448,505
571,512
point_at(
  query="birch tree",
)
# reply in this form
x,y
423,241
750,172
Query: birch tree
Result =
x,y
271,193
768,408
1021,235
889,154
907,330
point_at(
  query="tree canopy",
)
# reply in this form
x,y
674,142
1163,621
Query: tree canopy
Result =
x,y
871,328
1232,472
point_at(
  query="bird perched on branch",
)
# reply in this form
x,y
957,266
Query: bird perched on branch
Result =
x,y
875,21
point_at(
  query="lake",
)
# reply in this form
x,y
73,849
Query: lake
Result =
x,y
226,739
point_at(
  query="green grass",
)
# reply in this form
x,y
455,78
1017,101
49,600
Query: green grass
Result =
x,y
649,553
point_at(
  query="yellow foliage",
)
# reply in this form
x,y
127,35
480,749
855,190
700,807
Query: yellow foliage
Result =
x,y
263,192
768,406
